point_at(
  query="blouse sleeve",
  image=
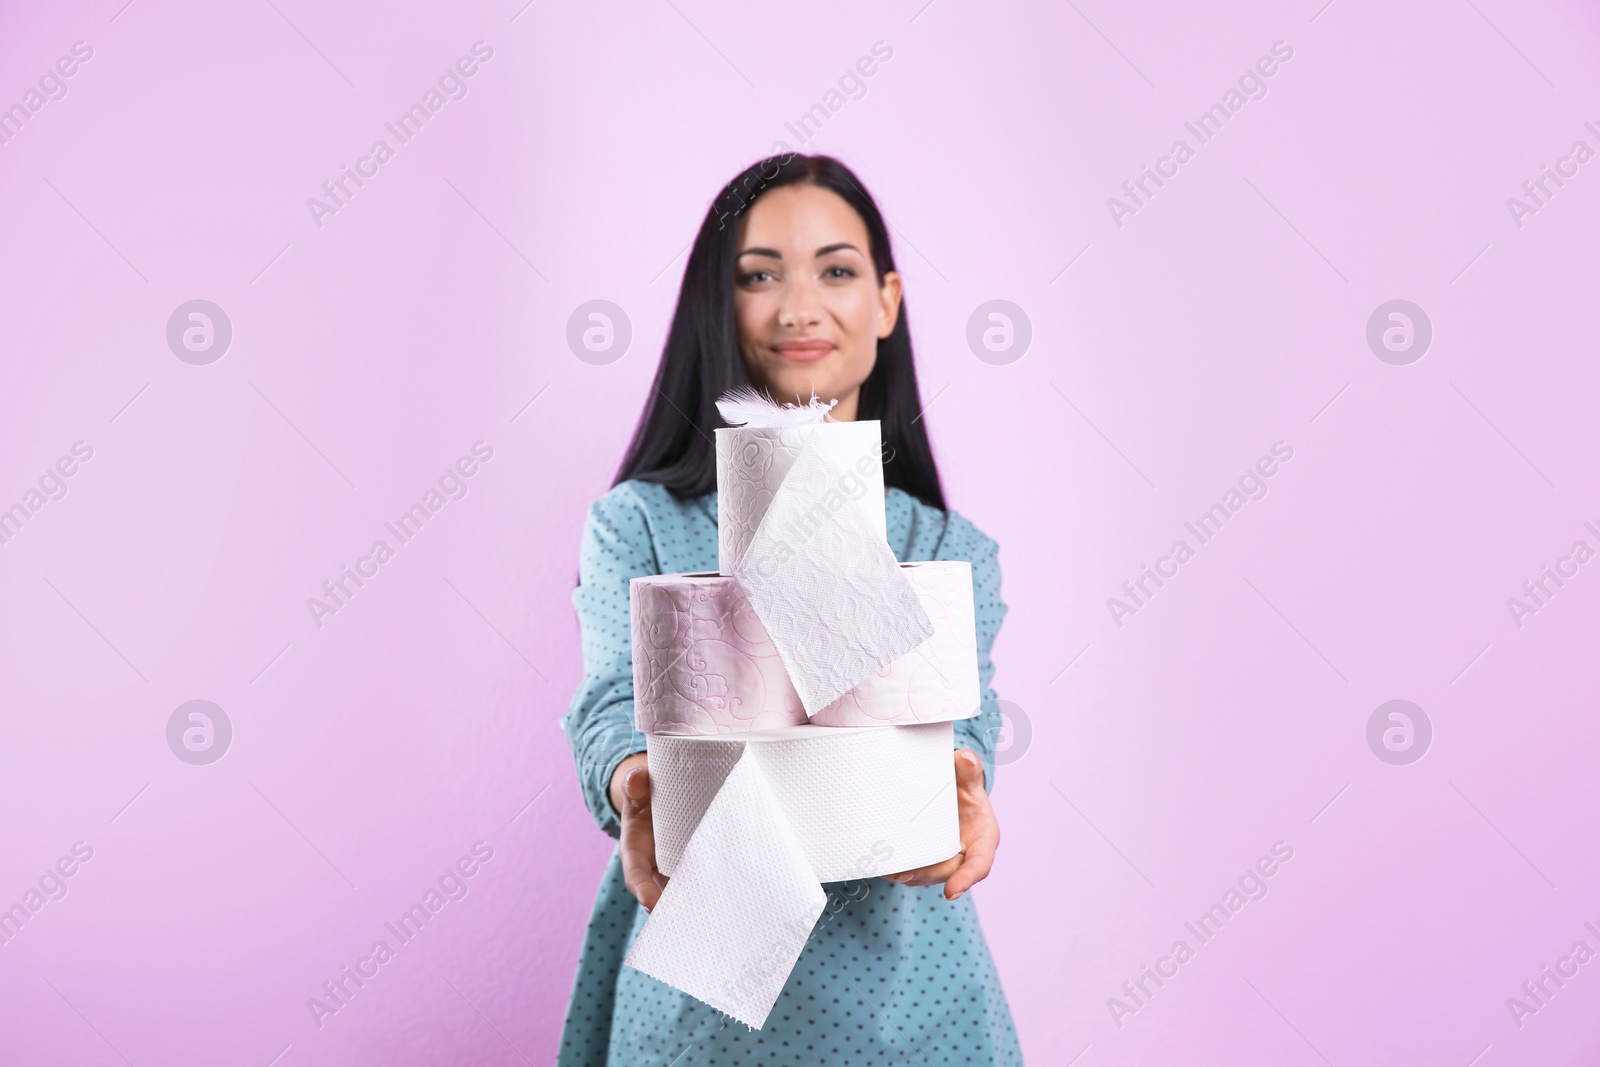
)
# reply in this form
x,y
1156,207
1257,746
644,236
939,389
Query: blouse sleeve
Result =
x,y
962,540
616,547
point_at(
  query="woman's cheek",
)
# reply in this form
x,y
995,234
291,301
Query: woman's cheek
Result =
x,y
853,313
748,311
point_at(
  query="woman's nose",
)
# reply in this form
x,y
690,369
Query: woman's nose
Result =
x,y
800,309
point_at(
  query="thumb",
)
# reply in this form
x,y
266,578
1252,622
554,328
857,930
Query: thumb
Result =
x,y
969,767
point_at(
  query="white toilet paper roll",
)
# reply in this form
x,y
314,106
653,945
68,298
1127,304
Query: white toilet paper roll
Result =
x,y
862,801
752,462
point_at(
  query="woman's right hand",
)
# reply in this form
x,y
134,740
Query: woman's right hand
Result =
x,y
630,795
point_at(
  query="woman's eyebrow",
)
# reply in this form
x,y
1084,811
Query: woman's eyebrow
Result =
x,y
823,251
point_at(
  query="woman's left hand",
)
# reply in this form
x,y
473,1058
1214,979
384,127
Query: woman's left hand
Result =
x,y
980,835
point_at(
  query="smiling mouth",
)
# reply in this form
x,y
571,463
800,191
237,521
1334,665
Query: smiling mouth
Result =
x,y
804,351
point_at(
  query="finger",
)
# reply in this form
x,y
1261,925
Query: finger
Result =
x,y
928,871
638,864
637,840
971,777
932,874
651,891
641,877
636,789
976,862
650,884
969,768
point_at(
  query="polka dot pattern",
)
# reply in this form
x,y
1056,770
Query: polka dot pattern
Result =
x,y
891,974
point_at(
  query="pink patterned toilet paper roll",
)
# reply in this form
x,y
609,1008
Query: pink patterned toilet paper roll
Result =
x,y
704,664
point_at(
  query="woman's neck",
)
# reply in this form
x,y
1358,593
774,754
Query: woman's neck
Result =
x,y
845,409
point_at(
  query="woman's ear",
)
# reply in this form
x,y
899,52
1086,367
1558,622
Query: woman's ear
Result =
x,y
888,304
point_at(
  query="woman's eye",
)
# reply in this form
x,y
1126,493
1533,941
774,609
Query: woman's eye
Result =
x,y
839,272
755,277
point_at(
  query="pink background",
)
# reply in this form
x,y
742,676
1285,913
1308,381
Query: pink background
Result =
x,y
1166,754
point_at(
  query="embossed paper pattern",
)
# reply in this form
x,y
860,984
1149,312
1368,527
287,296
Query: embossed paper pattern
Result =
x,y
826,585
702,661
863,801
752,462
937,680
704,664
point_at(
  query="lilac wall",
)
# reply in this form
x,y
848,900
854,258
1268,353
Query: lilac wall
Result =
x,y
1176,340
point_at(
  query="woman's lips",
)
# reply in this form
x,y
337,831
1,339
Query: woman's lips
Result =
x,y
804,351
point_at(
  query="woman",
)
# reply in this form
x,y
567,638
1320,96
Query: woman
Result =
x,y
790,287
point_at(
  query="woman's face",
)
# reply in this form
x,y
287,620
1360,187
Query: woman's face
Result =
x,y
809,307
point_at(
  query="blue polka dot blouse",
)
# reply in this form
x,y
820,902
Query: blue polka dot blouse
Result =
x,y
891,974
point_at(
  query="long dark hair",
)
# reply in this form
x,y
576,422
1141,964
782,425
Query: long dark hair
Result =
x,y
672,444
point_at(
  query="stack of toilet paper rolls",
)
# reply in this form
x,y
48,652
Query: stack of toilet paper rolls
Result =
x,y
797,706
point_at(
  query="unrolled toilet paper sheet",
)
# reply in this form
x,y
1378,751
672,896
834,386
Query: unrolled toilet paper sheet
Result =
x,y
740,905
826,586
